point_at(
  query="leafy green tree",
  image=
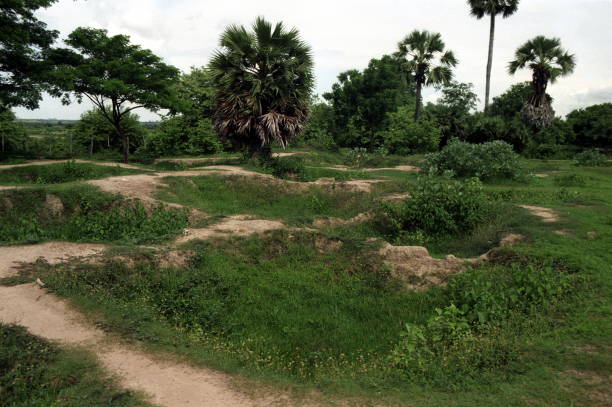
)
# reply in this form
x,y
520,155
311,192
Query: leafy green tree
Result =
x,y
95,132
592,126
404,135
452,113
509,104
492,8
24,43
263,81
360,101
548,62
427,61
8,129
196,91
116,76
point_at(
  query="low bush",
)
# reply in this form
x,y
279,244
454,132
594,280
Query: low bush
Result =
x,y
356,157
403,135
439,206
288,168
83,214
590,158
491,160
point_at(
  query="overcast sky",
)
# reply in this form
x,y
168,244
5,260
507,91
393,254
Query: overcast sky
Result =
x,y
347,34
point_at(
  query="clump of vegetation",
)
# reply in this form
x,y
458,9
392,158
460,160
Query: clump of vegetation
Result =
x,y
83,214
590,158
476,333
491,160
439,206
34,372
288,168
356,157
569,180
170,166
58,173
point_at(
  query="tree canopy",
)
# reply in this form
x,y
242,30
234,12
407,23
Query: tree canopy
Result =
x,y
263,80
115,75
24,44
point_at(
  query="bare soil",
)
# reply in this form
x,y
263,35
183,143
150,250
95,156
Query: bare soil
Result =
x,y
547,214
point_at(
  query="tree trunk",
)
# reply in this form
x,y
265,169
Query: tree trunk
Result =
x,y
417,110
126,145
258,150
91,142
490,61
3,143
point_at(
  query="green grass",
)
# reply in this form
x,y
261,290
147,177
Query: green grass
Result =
x,y
82,213
222,196
59,173
34,372
290,309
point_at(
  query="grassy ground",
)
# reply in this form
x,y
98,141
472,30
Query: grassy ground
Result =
x,y
34,372
293,308
59,173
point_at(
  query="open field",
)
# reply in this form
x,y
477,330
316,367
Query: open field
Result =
x,y
242,288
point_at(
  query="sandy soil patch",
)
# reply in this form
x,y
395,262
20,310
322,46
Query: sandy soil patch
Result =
x,y
238,225
52,252
327,222
405,168
547,214
396,198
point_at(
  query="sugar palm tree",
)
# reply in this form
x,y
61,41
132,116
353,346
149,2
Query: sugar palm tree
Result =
x,y
427,61
492,8
263,80
548,62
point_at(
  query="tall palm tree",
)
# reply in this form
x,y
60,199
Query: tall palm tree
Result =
x,y
547,61
427,61
492,8
263,80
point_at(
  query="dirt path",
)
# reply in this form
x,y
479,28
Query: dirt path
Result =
x,y
405,168
547,214
47,162
167,383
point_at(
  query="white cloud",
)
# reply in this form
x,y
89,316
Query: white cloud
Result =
x,y
347,34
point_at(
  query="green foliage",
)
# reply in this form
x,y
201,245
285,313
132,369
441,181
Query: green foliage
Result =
x,y
356,157
84,216
484,128
263,81
181,135
439,206
495,159
424,57
95,133
318,132
509,104
405,136
569,180
591,158
25,41
360,101
288,168
34,372
110,69
592,126
61,172
452,113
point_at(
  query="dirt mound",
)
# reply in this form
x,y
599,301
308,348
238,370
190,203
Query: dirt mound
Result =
x,y
547,214
417,269
52,252
396,198
359,185
53,206
510,239
327,222
238,225
405,168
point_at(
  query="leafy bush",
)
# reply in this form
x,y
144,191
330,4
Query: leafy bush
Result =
x,y
439,206
592,126
356,157
288,168
403,135
495,159
184,135
590,158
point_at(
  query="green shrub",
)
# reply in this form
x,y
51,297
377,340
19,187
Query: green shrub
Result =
x,y
446,351
356,157
495,159
170,166
439,206
590,158
405,136
288,168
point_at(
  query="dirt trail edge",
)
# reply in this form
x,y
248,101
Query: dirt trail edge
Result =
x,y
167,383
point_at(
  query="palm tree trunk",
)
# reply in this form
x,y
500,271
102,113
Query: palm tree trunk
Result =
x,y
490,61
417,110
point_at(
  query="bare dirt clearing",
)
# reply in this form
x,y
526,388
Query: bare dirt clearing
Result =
x,y
547,214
